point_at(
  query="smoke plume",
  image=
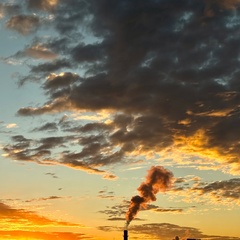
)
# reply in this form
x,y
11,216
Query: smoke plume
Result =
x,y
157,179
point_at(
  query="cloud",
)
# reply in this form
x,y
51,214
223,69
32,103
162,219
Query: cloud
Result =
x,y
23,24
116,219
220,190
210,9
52,127
18,234
20,151
89,159
122,219
106,195
11,125
53,175
40,52
117,212
160,74
110,177
44,199
25,218
60,81
169,210
8,9
40,151
193,189
37,51
165,231
46,5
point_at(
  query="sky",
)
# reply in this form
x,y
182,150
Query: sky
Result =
x,y
119,113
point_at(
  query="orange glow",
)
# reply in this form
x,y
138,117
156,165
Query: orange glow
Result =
x,y
187,147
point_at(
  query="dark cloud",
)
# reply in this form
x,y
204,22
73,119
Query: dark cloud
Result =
x,y
46,127
116,219
164,72
64,80
117,212
46,5
173,210
122,219
53,175
227,189
88,159
213,5
158,209
78,17
88,53
110,176
158,68
106,194
43,70
179,180
31,150
225,192
51,67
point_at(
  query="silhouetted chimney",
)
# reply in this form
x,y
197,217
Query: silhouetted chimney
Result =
x,y
125,235
193,239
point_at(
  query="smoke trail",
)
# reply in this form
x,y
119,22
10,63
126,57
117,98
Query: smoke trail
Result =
x,y
157,179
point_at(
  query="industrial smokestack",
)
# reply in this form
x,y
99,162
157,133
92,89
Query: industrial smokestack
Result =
x,y
125,235
158,179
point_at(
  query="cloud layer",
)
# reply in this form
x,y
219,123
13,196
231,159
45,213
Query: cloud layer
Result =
x,y
20,217
166,231
164,73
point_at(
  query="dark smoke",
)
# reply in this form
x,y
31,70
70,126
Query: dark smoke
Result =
x,y
158,179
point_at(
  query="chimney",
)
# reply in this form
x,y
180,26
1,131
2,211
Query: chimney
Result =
x,y
125,235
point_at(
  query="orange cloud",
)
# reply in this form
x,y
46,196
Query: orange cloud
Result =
x,y
19,235
12,218
197,150
46,5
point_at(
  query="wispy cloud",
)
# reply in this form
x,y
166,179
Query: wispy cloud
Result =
x,y
225,192
53,175
220,191
43,199
106,194
23,218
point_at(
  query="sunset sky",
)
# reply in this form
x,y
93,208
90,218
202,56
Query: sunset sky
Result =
x,y
96,92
